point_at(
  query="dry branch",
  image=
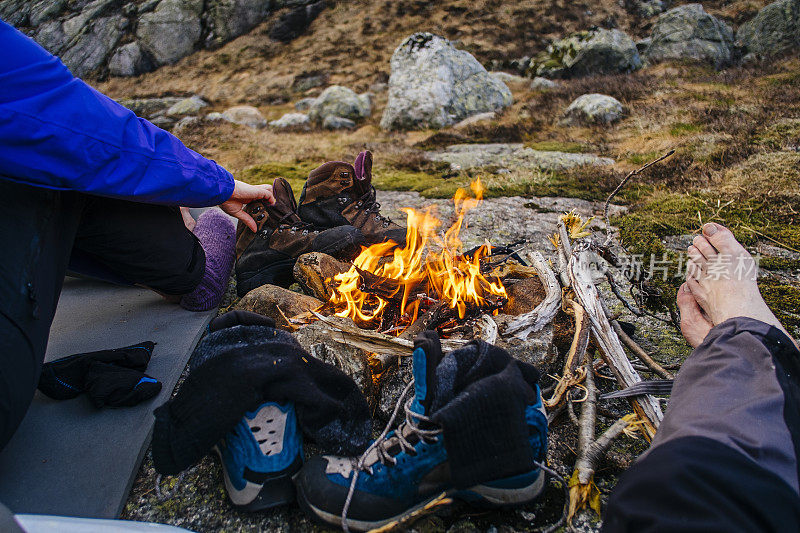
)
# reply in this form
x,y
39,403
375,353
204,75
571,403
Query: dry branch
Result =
x,y
579,270
526,324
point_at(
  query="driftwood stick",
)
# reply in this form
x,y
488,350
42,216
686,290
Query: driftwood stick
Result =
x,y
639,352
586,428
528,323
647,407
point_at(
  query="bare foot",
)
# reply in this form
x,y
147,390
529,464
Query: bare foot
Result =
x,y
721,275
188,220
695,325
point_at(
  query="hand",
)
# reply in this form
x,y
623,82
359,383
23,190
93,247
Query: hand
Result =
x,y
243,194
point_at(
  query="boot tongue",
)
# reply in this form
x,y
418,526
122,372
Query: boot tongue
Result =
x,y
285,204
426,357
363,172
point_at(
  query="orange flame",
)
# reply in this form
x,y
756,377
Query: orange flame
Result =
x,y
445,274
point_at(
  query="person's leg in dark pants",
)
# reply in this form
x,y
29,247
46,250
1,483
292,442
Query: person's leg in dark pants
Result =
x,y
726,455
36,234
144,244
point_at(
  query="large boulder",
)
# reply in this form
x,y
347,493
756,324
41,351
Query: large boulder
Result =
x,y
92,47
774,30
171,31
187,106
688,32
338,101
598,51
230,18
593,109
515,156
435,85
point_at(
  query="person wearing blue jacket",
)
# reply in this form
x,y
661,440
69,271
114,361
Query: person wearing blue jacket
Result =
x,y
83,180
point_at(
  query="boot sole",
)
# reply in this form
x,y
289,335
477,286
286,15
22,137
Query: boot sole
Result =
x,y
274,492
483,495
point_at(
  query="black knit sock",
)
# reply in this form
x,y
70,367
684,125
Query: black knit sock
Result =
x,y
109,385
64,378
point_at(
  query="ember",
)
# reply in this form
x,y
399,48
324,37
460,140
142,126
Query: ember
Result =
x,y
389,287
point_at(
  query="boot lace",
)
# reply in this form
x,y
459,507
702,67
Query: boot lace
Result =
x,y
382,444
295,225
370,204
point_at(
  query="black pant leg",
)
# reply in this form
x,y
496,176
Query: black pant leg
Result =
x,y
142,243
36,234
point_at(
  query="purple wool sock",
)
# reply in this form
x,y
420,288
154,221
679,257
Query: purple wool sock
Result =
x,y
217,235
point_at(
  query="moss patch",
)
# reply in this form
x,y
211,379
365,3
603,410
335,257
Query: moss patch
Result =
x,y
558,146
784,300
684,128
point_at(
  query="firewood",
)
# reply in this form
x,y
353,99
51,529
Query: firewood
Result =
x,y
277,303
580,273
312,271
524,325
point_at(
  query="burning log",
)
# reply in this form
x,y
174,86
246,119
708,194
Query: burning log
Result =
x,y
315,271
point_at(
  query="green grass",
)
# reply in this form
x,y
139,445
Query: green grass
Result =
x,y
558,146
680,129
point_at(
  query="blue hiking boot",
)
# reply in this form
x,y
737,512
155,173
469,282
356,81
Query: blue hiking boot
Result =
x,y
259,457
409,469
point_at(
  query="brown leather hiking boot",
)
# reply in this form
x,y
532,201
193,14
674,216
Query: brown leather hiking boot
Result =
x,y
339,193
269,255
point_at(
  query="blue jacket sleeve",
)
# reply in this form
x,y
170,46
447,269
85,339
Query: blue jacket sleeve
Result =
x,y
58,132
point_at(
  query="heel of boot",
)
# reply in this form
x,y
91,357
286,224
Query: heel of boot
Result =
x,y
515,490
278,273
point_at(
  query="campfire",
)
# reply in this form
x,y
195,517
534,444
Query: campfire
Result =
x,y
432,279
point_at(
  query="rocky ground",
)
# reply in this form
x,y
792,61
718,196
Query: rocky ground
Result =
x,y
550,103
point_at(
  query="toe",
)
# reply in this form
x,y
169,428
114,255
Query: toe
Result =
x,y
696,264
721,238
694,324
704,247
699,294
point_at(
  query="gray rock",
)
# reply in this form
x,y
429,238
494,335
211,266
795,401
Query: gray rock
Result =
x,y
45,10
338,101
593,109
291,121
147,6
338,123
511,156
51,36
688,32
643,44
304,104
246,116
187,106
597,51
15,12
92,10
215,117
92,47
127,61
542,84
184,123
171,31
306,81
507,78
228,19
651,8
476,119
774,30
163,122
433,84
150,107
378,87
